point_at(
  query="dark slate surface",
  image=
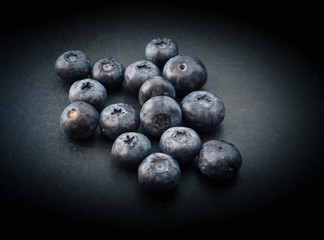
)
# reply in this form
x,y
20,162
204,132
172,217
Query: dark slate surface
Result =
x,y
267,72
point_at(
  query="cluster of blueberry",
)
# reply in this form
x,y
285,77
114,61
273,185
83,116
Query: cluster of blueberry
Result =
x,y
157,80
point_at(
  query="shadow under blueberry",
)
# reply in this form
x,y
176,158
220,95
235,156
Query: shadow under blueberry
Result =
x,y
95,140
217,184
116,91
157,199
63,84
128,174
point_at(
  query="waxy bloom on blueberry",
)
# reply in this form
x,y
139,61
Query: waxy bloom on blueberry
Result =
x,y
155,86
79,120
186,73
73,65
130,149
159,172
90,91
160,113
138,72
219,160
118,118
202,110
109,72
160,50
182,143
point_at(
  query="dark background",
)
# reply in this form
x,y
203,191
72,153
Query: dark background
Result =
x,y
265,62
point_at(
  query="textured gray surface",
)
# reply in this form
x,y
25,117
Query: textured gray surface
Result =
x,y
272,96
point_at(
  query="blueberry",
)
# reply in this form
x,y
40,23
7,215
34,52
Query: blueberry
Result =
x,y
79,120
109,72
186,73
159,172
130,149
160,50
118,118
155,86
182,143
202,110
90,91
138,72
160,113
219,160
73,65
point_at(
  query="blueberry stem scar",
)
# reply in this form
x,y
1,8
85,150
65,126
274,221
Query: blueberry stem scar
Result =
x,y
86,86
181,136
204,97
160,164
108,65
72,57
142,67
161,121
182,66
161,43
116,111
129,140
73,113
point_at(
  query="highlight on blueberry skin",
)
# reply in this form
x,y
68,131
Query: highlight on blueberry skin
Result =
x,y
202,111
138,72
219,160
118,118
130,149
181,143
90,91
155,86
159,172
109,72
160,113
160,50
73,65
186,73
79,120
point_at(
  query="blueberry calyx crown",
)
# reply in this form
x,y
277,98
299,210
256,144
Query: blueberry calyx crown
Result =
x,y
161,121
219,148
130,141
159,164
71,57
162,42
86,86
182,66
107,65
142,67
72,113
118,111
181,135
204,100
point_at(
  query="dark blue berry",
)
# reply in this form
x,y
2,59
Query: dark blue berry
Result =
x,y
130,149
160,113
73,65
109,72
186,73
160,50
159,172
90,91
79,120
182,143
155,86
219,160
202,110
138,72
118,118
